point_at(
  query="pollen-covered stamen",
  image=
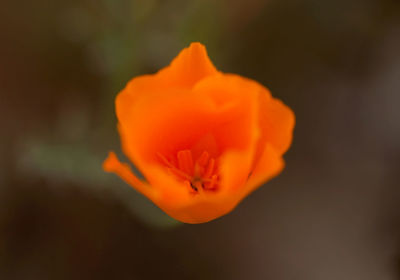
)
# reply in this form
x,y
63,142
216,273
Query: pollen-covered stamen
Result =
x,y
196,175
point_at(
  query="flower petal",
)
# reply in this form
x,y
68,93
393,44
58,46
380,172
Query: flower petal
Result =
x,y
215,116
112,164
204,209
177,120
240,135
276,121
268,166
190,66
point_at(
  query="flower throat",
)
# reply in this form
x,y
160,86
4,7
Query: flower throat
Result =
x,y
197,175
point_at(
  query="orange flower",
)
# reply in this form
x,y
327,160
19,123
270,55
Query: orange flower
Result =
x,y
203,139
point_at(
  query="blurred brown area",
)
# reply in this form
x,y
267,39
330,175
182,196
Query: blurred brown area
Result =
x,y
332,214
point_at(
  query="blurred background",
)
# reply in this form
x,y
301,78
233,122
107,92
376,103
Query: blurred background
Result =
x,y
332,214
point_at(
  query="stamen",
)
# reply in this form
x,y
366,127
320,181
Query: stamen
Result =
x,y
210,168
210,184
196,176
164,160
185,161
173,169
202,161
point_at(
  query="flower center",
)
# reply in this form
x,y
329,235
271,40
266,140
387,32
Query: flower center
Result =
x,y
197,175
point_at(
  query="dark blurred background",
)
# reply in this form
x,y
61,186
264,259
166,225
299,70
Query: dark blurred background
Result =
x,y
332,214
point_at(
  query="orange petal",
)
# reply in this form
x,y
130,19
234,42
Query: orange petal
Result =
x,y
203,210
171,192
215,113
190,66
240,134
170,121
236,97
168,193
112,164
276,121
268,166
163,123
136,88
